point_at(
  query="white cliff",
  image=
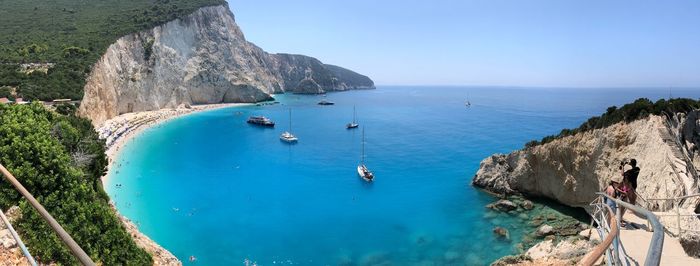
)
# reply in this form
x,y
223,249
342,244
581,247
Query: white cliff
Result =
x,y
200,59
572,169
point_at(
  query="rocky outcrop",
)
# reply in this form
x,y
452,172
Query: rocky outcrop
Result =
x,y
572,169
200,59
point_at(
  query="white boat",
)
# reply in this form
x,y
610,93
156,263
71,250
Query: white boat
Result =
x,y
287,136
362,169
354,123
365,173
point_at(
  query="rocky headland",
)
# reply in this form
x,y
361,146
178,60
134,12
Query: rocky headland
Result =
x,y
571,169
203,58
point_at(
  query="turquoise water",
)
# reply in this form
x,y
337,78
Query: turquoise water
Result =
x,y
211,186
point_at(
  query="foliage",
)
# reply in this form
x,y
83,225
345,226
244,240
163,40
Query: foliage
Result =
x,y
60,160
641,108
147,49
6,92
73,35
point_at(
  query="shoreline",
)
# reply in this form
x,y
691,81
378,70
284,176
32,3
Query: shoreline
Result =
x,y
117,132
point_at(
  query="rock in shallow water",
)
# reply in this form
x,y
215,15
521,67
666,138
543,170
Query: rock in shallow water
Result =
x,y
501,232
545,230
503,205
527,205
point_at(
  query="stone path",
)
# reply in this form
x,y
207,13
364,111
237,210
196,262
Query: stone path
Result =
x,y
635,238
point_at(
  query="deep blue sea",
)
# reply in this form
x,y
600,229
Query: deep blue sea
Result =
x,y
212,186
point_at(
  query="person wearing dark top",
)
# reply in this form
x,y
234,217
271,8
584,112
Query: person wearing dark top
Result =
x,y
629,185
632,174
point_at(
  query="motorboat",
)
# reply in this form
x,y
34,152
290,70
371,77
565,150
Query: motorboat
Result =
x,y
261,121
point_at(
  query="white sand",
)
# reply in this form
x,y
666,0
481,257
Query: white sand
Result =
x,y
119,130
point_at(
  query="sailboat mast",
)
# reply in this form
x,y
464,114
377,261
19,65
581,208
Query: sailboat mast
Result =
x,y
354,114
362,159
290,119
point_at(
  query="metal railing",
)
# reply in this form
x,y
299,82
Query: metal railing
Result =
x,y
21,245
653,257
78,252
677,202
603,227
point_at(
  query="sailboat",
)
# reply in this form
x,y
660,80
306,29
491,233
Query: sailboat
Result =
x,y
354,123
287,136
362,169
468,103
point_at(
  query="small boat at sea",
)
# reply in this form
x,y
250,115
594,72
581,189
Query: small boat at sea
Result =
x,y
362,169
261,121
354,123
287,136
325,102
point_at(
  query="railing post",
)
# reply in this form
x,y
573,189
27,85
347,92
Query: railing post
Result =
x,y
678,215
616,247
78,252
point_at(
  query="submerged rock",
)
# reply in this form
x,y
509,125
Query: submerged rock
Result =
x,y
451,256
503,205
501,232
527,205
544,230
376,259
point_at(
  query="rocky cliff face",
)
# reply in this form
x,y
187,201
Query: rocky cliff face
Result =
x,y
571,169
201,59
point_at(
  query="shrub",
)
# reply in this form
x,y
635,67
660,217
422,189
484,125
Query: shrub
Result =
x,y
60,160
640,108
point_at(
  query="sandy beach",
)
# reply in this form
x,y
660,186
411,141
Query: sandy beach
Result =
x,y
117,132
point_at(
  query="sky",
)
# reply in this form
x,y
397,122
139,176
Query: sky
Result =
x,y
544,43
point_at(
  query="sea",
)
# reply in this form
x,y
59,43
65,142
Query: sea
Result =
x,y
215,190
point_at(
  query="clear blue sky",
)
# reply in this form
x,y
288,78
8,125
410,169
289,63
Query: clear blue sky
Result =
x,y
599,43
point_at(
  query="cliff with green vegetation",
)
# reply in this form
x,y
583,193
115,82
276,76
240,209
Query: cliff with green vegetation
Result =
x,y
202,58
48,48
664,138
571,167
60,159
639,109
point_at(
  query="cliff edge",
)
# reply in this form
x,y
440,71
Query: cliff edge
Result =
x,y
203,58
572,169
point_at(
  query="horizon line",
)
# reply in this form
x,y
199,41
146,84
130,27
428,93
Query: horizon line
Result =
x,y
540,87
